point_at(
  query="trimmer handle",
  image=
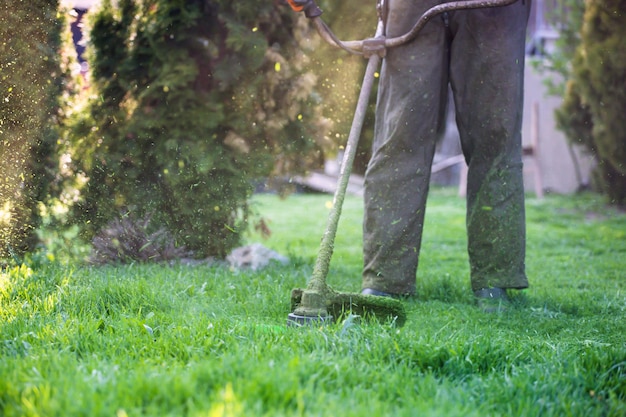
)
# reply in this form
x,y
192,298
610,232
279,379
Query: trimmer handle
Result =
x,y
377,45
309,7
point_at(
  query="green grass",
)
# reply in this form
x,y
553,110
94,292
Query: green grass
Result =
x,y
209,341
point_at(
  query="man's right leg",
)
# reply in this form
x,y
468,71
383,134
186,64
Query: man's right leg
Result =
x,y
412,95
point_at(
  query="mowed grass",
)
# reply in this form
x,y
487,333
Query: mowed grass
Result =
x,y
151,340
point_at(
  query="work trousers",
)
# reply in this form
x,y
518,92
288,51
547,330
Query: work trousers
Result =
x,y
480,54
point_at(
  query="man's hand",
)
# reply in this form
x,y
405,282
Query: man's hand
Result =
x,y
297,5
308,6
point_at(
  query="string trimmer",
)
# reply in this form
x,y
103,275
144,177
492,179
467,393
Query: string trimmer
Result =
x,y
318,303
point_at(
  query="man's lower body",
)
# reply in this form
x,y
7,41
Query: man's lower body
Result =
x,y
480,53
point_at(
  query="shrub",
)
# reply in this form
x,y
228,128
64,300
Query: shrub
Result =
x,y
190,101
595,98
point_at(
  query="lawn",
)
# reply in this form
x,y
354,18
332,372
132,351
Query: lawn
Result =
x,y
154,340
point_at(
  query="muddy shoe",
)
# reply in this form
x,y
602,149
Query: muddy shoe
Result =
x,y
492,300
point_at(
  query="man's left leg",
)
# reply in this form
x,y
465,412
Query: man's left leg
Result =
x,y
487,73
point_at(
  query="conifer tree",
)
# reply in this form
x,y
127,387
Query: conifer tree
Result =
x,y
190,101
30,85
592,112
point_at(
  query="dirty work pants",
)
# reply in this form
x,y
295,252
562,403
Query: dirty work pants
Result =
x,y
480,54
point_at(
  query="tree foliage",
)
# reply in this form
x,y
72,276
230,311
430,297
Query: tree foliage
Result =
x,y
594,100
189,101
30,85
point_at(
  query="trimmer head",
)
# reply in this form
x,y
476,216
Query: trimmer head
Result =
x,y
333,305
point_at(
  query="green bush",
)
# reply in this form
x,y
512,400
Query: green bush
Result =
x,y
595,98
30,85
189,101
